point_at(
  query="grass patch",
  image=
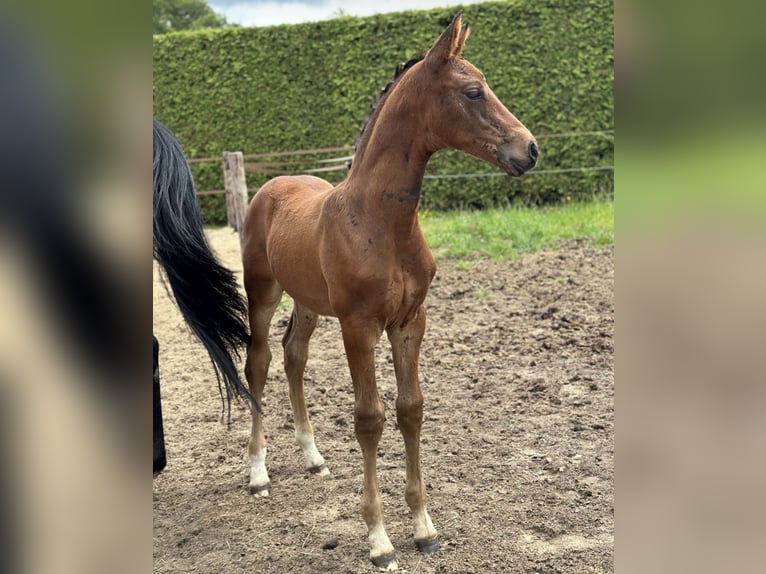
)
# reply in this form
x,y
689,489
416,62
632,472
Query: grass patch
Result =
x,y
464,265
483,293
504,234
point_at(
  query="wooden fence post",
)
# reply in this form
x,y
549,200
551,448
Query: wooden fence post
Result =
x,y
236,189
231,219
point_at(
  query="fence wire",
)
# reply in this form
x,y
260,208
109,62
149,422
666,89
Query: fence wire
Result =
x,y
434,176
575,134
529,173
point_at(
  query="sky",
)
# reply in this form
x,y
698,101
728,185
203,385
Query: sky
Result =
x,y
272,12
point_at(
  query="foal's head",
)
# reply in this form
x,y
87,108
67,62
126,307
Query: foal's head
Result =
x,y
460,110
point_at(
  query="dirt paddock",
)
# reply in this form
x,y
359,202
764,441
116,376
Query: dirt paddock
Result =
x,y
517,370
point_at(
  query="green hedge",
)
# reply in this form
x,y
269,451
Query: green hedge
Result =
x,y
310,86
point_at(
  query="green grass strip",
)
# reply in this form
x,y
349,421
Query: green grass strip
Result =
x,y
505,234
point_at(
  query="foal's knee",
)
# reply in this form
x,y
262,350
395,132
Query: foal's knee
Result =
x,y
369,419
409,413
257,361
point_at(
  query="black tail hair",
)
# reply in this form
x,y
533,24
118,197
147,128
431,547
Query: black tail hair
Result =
x,y
205,291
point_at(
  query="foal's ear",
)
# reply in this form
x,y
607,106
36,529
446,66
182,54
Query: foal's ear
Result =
x,y
449,43
464,33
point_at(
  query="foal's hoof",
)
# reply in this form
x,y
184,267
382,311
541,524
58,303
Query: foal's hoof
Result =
x,y
320,470
428,545
261,489
385,562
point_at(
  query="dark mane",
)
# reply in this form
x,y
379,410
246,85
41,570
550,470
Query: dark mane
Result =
x,y
404,66
400,70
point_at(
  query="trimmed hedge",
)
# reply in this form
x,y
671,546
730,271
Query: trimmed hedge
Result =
x,y
309,86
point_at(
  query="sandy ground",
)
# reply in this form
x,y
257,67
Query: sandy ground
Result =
x,y
517,370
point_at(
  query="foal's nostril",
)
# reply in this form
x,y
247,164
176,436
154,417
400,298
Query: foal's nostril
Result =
x,y
533,151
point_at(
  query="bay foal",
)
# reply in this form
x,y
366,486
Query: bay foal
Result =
x,y
356,252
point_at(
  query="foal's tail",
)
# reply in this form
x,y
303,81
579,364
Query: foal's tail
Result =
x,y
205,291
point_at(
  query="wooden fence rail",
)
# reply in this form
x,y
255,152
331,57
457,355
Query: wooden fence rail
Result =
x,y
278,154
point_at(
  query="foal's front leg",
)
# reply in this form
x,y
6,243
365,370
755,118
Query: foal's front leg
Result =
x,y
360,338
405,345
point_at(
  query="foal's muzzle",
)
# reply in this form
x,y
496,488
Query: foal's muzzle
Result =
x,y
516,157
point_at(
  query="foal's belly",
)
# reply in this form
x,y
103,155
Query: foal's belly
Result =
x,y
314,299
297,271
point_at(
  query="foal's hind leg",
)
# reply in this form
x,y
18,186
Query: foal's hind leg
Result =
x,y
405,344
296,345
263,298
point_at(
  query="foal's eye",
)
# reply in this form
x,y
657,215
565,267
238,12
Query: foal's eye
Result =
x,y
474,94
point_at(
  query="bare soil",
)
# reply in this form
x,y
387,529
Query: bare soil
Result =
x,y
517,370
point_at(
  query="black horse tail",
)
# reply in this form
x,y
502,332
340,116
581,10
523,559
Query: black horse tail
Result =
x,y
205,291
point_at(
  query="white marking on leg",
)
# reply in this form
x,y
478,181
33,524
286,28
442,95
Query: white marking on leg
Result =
x,y
310,452
259,477
380,545
424,528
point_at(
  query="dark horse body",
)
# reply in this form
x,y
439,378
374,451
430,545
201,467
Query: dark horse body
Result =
x,y
205,291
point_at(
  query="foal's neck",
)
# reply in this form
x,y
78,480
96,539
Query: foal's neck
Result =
x,y
387,175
